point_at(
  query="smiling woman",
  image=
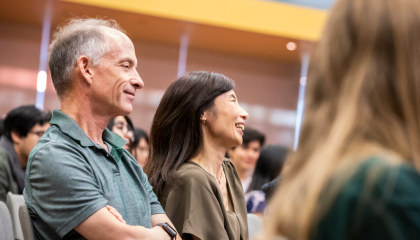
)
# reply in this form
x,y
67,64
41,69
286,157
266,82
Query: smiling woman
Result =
x,y
197,121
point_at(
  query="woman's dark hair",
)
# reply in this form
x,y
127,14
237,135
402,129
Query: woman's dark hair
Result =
x,y
138,135
130,127
268,166
176,135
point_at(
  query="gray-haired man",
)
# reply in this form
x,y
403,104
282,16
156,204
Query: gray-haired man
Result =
x,y
79,167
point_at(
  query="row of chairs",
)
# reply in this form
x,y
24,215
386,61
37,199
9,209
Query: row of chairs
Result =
x,y
15,221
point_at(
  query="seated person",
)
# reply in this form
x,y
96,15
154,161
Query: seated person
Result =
x,y
355,173
79,166
23,126
245,156
123,126
197,186
269,166
141,146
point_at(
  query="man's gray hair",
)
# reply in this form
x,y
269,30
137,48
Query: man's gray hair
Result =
x,y
78,37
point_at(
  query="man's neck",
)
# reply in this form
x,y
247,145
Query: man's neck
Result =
x,y
22,159
89,121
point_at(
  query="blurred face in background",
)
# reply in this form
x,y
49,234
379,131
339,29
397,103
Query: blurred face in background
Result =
x,y
121,128
142,152
245,156
24,145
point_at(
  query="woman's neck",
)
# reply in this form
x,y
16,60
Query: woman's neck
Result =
x,y
210,158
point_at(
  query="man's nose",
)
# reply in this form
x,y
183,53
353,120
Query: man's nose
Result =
x,y
136,81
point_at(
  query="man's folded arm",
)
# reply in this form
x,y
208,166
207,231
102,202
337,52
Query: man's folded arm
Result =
x,y
102,225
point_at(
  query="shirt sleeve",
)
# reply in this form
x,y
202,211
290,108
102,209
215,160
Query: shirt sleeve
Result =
x,y
194,209
63,190
4,182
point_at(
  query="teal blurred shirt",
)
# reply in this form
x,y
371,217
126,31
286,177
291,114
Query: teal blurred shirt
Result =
x,y
69,177
380,201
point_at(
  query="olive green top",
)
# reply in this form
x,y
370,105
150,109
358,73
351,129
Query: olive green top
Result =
x,y
195,205
380,201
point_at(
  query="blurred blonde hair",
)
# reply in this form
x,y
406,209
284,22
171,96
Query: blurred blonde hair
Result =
x,y
363,100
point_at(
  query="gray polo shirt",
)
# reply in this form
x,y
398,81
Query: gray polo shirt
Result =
x,y
69,177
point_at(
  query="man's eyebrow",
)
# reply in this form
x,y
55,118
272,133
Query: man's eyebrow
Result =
x,y
232,95
129,60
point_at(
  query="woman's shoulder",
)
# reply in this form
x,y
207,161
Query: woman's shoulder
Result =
x,y
377,188
191,171
227,164
378,180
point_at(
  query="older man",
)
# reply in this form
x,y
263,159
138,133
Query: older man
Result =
x,y
79,167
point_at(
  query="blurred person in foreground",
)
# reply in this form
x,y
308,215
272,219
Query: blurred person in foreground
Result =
x,y
355,172
123,126
269,166
23,127
197,120
80,182
245,156
141,146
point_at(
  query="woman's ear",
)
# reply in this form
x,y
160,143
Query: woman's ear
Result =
x,y
203,118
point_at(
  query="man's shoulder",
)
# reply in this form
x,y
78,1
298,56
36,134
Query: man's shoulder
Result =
x,y
4,162
53,142
3,155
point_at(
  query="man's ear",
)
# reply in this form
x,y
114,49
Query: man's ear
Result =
x,y
15,137
84,69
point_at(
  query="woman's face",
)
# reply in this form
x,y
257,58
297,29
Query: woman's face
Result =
x,y
121,128
142,152
226,120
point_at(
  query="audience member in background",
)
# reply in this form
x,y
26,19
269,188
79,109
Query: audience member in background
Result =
x,y
269,166
23,126
123,126
355,172
141,146
79,167
245,156
1,126
197,120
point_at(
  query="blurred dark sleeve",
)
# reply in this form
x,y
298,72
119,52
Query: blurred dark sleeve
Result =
x,y
270,187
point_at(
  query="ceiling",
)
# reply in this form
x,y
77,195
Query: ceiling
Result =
x,y
158,29
320,4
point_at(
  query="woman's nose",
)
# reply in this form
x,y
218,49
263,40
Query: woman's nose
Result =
x,y
244,115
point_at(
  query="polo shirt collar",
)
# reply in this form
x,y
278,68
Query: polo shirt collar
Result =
x,y
69,127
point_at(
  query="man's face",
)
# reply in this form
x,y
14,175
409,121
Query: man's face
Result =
x,y
245,157
24,145
116,79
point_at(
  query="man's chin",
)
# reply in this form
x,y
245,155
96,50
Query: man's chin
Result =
x,y
126,110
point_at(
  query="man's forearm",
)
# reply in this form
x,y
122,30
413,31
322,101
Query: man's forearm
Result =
x,y
102,225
